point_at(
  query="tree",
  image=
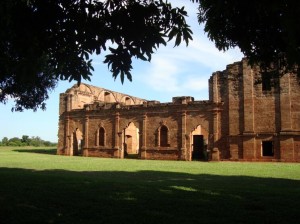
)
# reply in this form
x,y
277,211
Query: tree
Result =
x,y
42,42
5,141
25,140
15,141
36,141
267,32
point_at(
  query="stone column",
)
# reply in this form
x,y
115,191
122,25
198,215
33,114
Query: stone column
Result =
x,y
285,103
158,137
117,135
84,147
249,143
287,148
67,137
69,102
249,146
215,154
121,140
71,149
213,87
144,138
248,85
183,135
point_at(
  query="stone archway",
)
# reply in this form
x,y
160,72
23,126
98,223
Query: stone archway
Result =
x,y
76,144
198,144
131,141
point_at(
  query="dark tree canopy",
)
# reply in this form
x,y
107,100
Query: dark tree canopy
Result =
x,y
44,41
265,31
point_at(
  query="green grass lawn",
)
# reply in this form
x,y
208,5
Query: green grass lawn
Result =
x,y
36,186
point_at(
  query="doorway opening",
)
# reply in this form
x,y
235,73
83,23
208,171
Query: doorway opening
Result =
x,y
198,147
77,142
267,148
163,136
131,141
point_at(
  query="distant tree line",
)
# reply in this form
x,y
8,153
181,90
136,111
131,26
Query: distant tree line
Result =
x,y
26,141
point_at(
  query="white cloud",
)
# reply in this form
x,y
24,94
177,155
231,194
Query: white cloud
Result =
x,y
195,83
181,70
186,69
162,75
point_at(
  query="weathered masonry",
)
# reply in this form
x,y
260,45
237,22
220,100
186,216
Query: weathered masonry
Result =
x,y
250,115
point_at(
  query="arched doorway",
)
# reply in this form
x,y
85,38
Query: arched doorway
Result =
x,y
198,149
77,142
131,141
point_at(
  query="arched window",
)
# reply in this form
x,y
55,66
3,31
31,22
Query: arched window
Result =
x,y
107,97
163,136
127,101
101,136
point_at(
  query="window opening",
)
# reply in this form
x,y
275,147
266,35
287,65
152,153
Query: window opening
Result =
x,y
101,137
127,101
106,97
267,148
266,82
163,136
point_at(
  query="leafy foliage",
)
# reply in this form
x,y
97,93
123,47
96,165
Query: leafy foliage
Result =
x,y
265,31
26,141
42,42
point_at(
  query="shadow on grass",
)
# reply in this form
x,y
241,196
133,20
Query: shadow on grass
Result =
x,y
59,196
50,151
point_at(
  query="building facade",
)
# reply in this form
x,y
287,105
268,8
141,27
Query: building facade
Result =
x,y
250,116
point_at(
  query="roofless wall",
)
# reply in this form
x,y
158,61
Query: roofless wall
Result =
x,y
251,115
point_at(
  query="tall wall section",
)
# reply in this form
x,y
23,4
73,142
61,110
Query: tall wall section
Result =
x,y
260,114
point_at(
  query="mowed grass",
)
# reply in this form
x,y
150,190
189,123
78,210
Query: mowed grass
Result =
x,y
37,186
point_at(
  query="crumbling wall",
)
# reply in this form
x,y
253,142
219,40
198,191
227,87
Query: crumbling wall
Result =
x,y
259,108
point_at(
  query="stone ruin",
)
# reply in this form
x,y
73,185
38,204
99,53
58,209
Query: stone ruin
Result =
x,y
250,116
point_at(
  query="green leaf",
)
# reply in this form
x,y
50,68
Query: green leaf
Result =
x,y
178,39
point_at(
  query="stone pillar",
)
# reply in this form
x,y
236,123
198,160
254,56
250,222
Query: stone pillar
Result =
x,y
69,102
84,147
65,141
117,134
121,136
287,149
248,86
71,148
249,142
117,120
144,138
234,113
213,87
158,137
285,103
67,137
249,146
215,154
183,135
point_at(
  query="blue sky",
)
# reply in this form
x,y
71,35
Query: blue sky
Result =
x,y
180,71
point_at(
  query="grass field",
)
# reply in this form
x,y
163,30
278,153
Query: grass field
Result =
x,y
37,186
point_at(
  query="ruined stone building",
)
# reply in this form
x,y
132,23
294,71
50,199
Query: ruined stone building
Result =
x,y
250,116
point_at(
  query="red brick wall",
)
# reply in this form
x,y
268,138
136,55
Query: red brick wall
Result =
x,y
235,120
